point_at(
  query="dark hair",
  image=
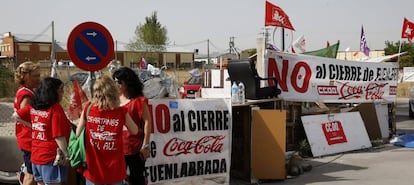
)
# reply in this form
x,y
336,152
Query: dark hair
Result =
x,y
133,84
47,93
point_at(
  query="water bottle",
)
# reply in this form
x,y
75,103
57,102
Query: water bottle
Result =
x,y
242,95
234,93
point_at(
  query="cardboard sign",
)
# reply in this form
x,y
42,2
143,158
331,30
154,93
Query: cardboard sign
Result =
x,y
335,133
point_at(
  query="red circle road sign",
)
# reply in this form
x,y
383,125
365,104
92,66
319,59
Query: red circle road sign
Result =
x,y
90,46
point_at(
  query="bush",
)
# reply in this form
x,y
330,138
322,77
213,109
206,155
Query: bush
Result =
x,y
7,85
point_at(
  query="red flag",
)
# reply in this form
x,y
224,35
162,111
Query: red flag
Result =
x,y
328,44
77,97
407,30
275,16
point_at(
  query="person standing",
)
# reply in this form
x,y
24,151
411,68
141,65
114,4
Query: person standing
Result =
x,y
136,147
27,75
50,133
103,124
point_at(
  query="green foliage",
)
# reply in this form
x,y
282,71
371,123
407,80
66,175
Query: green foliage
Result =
x,y
7,85
406,60
151,36
248,53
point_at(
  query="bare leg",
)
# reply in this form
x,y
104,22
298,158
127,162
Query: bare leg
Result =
x,y
28,179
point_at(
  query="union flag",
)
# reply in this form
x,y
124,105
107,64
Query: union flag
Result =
x,y
407,30
275,16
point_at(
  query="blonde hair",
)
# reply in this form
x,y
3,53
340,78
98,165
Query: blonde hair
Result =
x,y
23,69
105,93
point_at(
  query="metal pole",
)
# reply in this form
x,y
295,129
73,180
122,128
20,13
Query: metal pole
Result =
x,y
208,51
93,79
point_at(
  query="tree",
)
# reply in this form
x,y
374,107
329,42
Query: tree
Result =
x,y
406,60
149,36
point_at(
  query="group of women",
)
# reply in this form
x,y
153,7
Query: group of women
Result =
x,y
116,125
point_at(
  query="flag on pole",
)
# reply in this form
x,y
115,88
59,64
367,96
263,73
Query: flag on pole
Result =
x,y
328,44
275,16
407,30
300,43
363,43
77,98
53,72
272,47
329,52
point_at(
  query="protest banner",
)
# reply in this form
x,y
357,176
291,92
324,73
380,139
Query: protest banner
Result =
x,y
310,78
190,141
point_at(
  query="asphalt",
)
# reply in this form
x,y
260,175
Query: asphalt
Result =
x,y
385,164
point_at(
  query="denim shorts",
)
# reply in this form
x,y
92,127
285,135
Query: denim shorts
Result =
x,y
49,173
27,161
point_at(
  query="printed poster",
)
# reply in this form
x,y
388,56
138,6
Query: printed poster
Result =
x,y
190,141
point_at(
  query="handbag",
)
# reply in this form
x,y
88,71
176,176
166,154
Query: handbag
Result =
x,y
76,147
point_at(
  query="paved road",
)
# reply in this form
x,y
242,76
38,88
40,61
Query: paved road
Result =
x,y
383,165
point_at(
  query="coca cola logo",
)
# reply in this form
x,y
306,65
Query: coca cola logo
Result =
x,y
206,144
373,91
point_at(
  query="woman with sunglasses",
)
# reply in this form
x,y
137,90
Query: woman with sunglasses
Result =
x,y
136,147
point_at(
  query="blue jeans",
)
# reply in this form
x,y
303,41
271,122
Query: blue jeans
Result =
x,y
49,173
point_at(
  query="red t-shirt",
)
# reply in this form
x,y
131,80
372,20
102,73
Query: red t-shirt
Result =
x,y
47,125
133,143
23,133
103,142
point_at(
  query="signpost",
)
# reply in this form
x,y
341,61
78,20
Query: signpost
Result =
x,y
90,46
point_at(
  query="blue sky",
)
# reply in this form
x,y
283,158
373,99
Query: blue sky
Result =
x,y
191,22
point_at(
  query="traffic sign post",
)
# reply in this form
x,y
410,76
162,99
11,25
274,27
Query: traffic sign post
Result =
x,y
90,46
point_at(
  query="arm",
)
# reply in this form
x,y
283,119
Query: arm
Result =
x,y
130,124
63,145
19,119
23,115
146,117
25,101
81,124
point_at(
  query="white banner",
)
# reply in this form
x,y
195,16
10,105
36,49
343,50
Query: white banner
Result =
x,y
335,133
190,141
310,78
408,74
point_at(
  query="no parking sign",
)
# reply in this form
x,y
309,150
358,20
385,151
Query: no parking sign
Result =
x,y
90,46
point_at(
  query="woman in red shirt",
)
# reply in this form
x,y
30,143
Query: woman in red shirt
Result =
x,y
136,147
27,75
104,125
50,132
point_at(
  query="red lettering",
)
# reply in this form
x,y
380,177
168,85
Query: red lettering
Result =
x,y
273,70
206,144
294,78
162,118
374,91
